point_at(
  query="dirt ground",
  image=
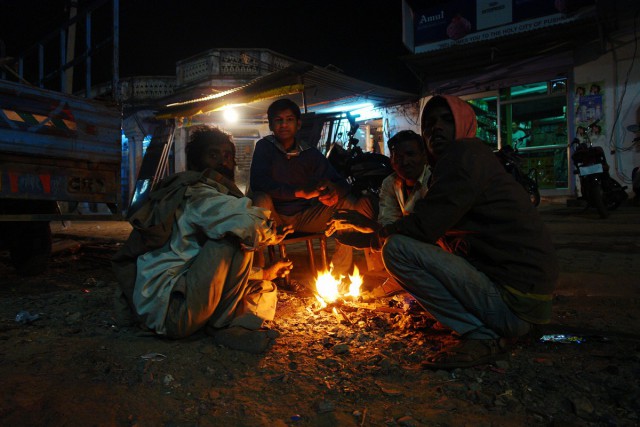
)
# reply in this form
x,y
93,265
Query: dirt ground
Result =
x,y
72,366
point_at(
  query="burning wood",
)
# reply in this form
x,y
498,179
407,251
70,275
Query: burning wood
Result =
x,y
329,288
336,307
331,291
337,297
334,295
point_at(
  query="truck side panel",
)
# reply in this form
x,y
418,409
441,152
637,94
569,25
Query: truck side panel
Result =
x,y
32,178
58,147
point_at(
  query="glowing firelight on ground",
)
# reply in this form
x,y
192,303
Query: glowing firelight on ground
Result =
x,y
328,287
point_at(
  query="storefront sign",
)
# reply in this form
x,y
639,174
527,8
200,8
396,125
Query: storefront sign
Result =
x,y
458,22
491,13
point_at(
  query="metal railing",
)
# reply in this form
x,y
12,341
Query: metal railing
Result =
x,y
60,66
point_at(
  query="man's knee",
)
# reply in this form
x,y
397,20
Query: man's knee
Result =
x,y
363,204
391,251
392,246
220,254
262,200
367,207
400,249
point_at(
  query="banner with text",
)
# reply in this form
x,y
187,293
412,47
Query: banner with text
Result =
x,y
458,22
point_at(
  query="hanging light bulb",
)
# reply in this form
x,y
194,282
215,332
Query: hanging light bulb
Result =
x,y
230,115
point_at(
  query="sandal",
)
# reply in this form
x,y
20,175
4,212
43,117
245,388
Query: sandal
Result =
x,y
468,353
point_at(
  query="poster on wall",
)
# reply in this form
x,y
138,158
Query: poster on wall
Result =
x,y
589,112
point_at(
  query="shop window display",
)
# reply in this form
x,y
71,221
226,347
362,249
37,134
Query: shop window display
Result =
x,y
533,120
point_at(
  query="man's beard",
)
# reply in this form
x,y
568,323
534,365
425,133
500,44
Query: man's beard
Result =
x,y
226,172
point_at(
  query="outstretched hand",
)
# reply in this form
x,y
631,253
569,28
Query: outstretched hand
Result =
x,y
328,194
307,193
310,191
282,231
325,191
351,220
277,269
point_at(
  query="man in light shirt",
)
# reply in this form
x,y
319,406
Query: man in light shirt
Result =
x,y
398,195
199,275
400,190
408,182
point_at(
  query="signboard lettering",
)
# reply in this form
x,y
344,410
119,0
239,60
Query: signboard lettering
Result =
x,y
457,22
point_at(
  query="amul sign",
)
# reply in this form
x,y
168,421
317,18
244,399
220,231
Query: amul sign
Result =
x,y
468,21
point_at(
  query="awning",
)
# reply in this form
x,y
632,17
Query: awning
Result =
x,y
322,89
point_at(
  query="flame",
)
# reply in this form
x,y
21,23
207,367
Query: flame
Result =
x,y
356,282
328,287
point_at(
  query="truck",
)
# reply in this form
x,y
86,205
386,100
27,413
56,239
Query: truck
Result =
x,y
58,151
54,148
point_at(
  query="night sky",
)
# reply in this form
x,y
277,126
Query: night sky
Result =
x,y
361,38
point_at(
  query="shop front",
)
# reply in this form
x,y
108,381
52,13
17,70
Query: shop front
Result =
x,y
537,77
532,119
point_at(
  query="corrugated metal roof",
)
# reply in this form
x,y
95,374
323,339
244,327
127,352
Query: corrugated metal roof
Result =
x,y
321,89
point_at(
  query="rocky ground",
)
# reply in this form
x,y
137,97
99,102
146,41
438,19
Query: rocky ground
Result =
x,y
73,366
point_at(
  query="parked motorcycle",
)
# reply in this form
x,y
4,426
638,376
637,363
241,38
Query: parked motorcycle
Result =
x,y
596,186
512,163
363,170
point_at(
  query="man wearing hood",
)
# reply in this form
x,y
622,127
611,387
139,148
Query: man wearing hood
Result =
x,y
474,252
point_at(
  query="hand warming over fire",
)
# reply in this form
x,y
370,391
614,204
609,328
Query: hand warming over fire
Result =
x,y
312,191
307,193
328,194
351,220
282,231
277,269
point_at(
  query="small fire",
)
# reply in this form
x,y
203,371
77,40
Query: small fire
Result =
x,y
356,282
328,287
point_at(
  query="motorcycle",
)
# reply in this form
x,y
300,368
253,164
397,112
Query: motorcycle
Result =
x,y
363,170
512,163
596,186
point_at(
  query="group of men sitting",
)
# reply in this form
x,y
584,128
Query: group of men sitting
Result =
x,y
454,230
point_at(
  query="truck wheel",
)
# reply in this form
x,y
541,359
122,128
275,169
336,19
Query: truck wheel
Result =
x,y
30,247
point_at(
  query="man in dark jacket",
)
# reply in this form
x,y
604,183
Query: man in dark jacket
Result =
x,y
297,183
474,251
